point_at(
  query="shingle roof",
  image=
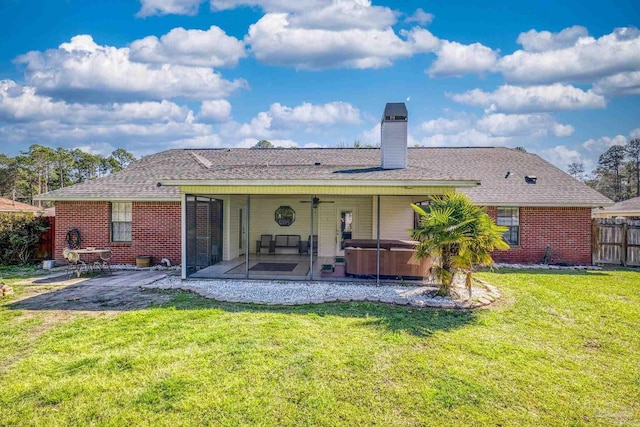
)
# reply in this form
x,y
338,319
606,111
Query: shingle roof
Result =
x,y
487,165
7,205
630,205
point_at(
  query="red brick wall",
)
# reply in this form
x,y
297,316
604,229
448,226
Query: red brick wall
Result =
x,y
155,230
566,230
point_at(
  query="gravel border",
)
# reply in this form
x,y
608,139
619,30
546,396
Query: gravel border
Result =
x,y
295,293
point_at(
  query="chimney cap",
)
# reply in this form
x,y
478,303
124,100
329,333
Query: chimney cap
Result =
x,y
395,111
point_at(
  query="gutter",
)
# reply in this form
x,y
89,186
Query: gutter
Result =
x,y
329,183
75,198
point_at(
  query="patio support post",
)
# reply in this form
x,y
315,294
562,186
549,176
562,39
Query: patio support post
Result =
x,y
378,243
246,240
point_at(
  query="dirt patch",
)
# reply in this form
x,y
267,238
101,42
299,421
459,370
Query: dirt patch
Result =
x,y
118,292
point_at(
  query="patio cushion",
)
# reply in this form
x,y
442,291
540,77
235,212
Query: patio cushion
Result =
x,y
287,240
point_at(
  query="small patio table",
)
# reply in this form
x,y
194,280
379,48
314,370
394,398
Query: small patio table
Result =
x,y
95,257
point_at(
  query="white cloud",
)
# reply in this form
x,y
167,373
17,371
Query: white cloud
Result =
x,y
286,6
619,84
345,15
211,48
134,136
635,133
586,153
532,98
168,7
532,125
82,67
445,126
258,128
371,136
600,145
421,40
420,16
203,141
491,130
588,59
321,14
456,59
279,121
310,114
540,41
561,156
562,131
275,41
217,110
19,103
466,138
140,127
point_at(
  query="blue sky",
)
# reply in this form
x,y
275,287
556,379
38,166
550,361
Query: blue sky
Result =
x,y
561,79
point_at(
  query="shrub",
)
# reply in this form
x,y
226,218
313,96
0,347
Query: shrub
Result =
x,y
19,237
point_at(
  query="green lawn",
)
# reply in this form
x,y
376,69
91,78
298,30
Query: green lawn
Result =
x,y
561,348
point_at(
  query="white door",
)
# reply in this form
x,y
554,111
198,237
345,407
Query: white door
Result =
x,y
346,227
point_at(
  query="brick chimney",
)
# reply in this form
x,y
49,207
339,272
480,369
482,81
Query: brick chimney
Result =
x,y
393,138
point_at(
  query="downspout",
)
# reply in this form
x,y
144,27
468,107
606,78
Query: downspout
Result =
x,y
311,243
247,232
183,227
378,243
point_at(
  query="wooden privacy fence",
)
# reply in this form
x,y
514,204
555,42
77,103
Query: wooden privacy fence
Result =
x,y
616,241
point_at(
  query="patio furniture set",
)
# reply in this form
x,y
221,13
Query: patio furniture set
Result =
x,y
88,260
285,241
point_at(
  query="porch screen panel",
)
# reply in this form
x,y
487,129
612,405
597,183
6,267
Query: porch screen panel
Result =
x,y
204,232
190,213
215,207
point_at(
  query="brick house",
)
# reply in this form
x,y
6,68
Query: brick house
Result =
x,y
210,210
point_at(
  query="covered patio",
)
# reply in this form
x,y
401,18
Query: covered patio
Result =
x,y
269,236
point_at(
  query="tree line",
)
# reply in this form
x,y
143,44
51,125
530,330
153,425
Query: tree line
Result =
x,y
42,169
617,175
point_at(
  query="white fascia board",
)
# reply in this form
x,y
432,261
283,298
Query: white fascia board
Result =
x,y
634,212
107,199
333,182
542,204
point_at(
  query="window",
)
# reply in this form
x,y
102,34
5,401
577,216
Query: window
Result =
x,y
416,216
510,217
121,222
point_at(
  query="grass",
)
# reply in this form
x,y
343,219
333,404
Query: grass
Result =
x,y
561,348
13,273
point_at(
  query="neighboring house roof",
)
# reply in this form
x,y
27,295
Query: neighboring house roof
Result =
x,y
630,207
463,167
7,205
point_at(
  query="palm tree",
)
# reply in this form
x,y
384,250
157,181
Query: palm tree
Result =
x,y
460,234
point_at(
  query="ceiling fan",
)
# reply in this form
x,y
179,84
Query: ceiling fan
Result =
x,y
316,201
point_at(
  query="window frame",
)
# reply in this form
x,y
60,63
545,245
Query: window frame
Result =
x,y
424,204
511,221
121,213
